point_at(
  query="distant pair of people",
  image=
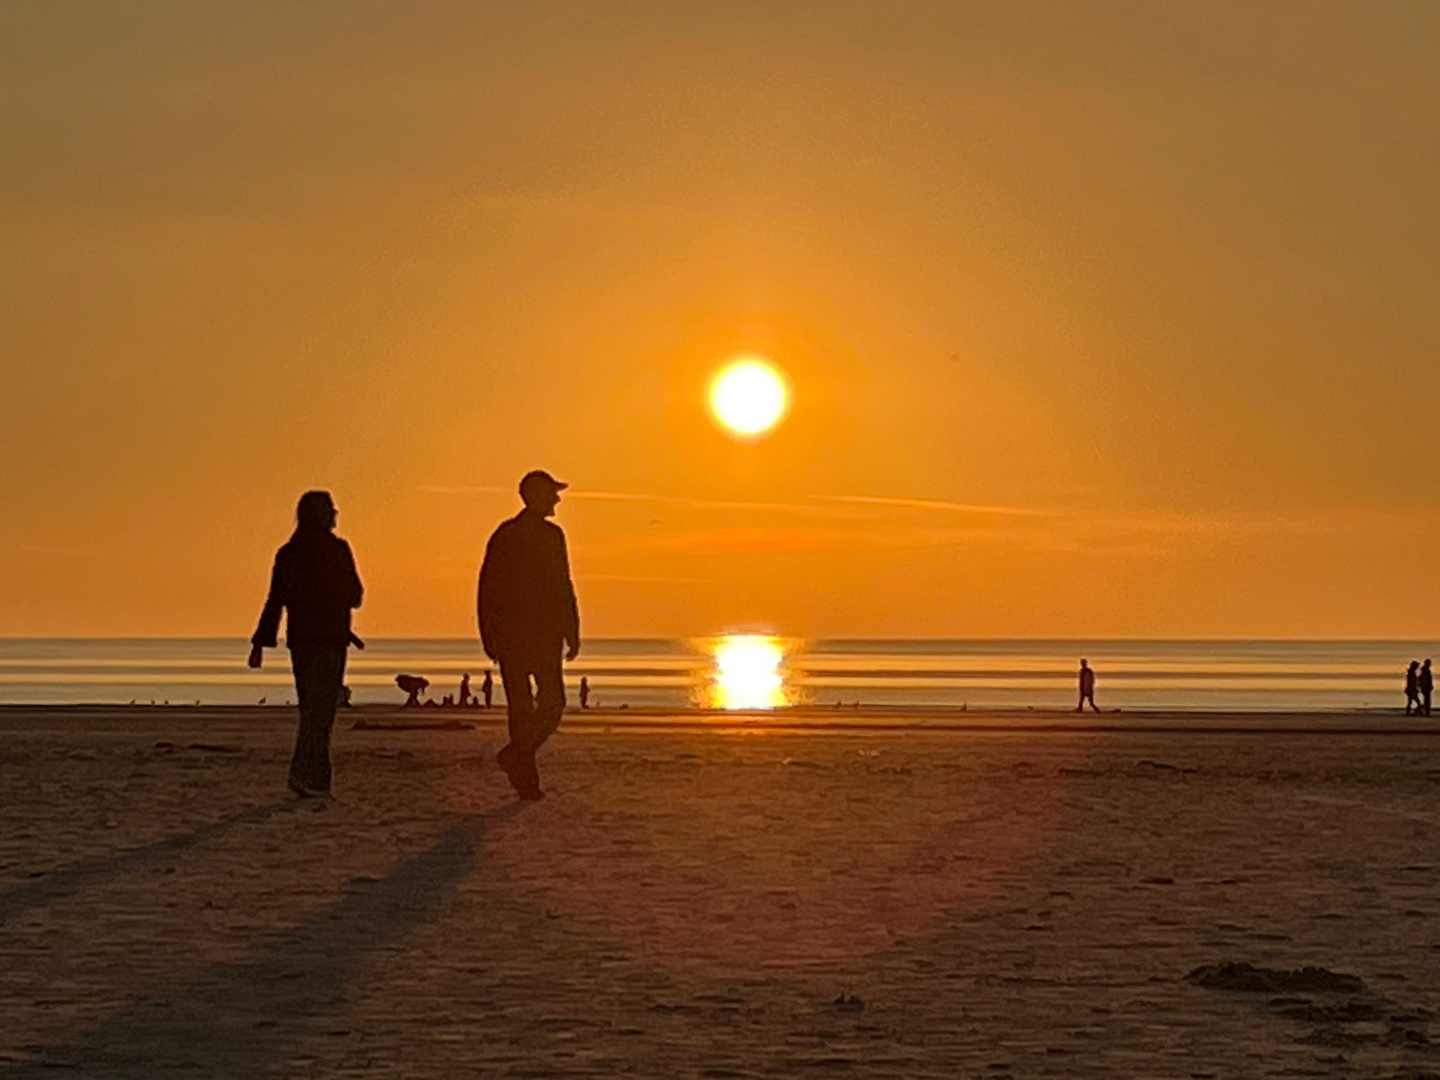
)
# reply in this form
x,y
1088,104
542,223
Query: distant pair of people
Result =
x,y
487,690
525,606
1419,688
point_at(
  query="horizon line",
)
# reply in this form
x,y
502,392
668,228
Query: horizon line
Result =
x,y
800,637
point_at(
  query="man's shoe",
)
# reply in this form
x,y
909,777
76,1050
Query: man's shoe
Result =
x,y
513,770
521,771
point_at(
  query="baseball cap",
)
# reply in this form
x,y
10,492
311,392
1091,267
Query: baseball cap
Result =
x,y
537,481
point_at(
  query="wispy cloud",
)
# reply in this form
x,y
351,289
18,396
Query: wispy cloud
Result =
x,y
681,500
775,540
464,489
814,507
853,521
637,497
63,551
1120,533
644,578
936,504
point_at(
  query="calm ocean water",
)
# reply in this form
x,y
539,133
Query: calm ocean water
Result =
x,y
1266,675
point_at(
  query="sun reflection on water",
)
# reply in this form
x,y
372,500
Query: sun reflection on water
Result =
x,y
747,672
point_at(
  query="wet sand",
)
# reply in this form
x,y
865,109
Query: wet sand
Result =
x,y
994,894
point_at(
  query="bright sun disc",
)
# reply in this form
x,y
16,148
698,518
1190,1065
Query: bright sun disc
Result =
x,y
748,397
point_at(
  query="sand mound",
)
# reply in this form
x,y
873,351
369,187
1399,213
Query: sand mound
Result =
x,y
1249,979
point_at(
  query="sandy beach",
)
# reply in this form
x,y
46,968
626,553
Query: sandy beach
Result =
x,y
1005,897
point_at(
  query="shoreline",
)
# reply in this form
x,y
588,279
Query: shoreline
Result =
x,y
797,720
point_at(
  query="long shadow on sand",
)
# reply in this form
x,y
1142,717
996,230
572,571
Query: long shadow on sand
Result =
x,y
238,1019
69,880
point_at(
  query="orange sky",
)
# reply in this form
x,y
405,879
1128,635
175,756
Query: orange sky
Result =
x,y
1103,319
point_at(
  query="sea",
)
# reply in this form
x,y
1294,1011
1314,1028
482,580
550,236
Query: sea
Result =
x,y
752,671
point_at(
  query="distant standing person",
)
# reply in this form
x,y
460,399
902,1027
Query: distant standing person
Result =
x,y
1412,689
584,691
1427,685
526,608
487,688
1087,687
315,582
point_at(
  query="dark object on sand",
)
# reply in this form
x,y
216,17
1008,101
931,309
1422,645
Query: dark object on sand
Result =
x,y
849,1003
413,685
1248,979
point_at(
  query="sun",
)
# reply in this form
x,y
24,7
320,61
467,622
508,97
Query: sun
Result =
x,y
749,397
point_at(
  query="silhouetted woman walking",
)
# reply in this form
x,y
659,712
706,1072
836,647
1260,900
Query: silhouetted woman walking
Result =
x,y
315,581
1412,688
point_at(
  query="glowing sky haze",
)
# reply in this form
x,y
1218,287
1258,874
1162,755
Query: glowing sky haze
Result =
x,y
1101,318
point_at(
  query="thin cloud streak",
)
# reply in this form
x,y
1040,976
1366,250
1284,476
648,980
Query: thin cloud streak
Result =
x,y
665,579
637,497
937,504
55,550
1132,534
1050,528
698,504
807,509
448,489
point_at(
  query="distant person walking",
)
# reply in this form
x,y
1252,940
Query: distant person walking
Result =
x,y
1412,689
584,692
487,688
526,608
1427,685
464,699
315,582
1087,687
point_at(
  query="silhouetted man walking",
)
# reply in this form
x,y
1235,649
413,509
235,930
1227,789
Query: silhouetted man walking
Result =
x,y
1412,689
1427,685
315,582
1087,687
527,614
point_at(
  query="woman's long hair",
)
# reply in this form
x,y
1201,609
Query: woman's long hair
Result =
x,y
315,512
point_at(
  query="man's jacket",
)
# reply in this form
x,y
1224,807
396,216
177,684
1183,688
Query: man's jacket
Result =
x,y
526,602
315,581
